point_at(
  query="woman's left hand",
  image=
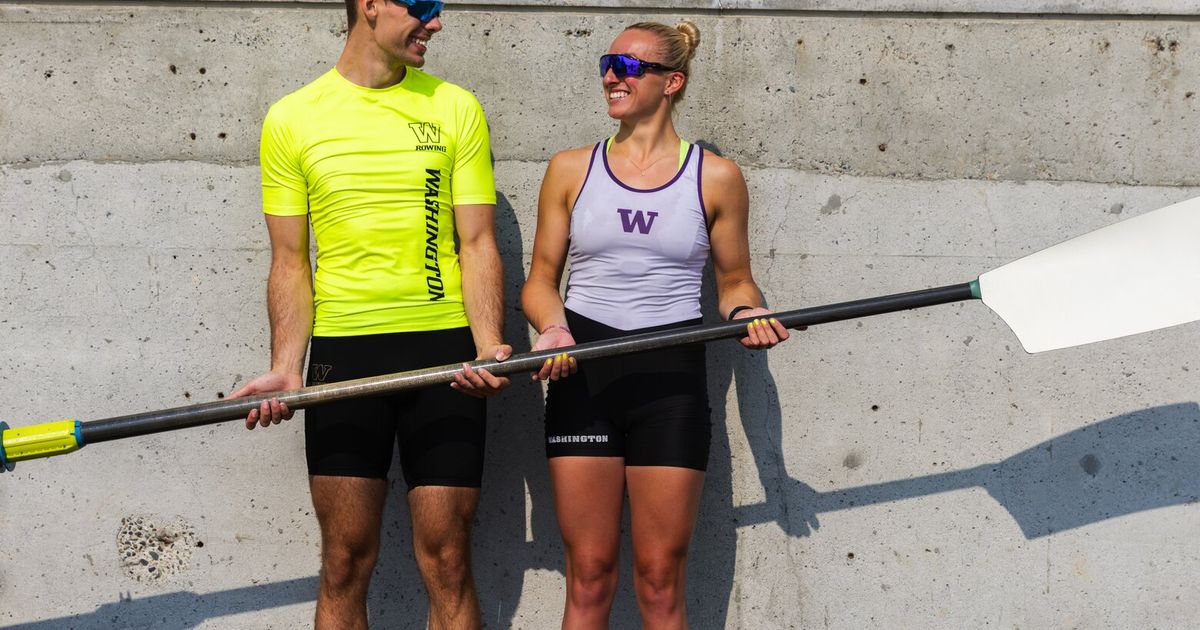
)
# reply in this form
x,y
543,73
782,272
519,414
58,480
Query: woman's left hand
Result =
x,y
762,331
562,365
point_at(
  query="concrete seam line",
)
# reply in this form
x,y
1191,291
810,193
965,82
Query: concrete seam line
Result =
x,y
664,9
746,165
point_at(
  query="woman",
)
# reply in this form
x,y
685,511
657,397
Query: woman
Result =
x,y
638,216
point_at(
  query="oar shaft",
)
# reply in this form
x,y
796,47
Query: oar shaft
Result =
x,y
208,413
231,409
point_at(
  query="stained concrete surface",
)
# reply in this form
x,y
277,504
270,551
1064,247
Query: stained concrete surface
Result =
x,y
911,470
1101,101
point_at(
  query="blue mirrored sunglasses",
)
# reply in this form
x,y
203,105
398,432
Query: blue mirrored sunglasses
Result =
x,y
423,10
628,66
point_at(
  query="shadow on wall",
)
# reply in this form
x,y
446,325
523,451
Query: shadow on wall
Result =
x,y
1134,462
183,609
511,536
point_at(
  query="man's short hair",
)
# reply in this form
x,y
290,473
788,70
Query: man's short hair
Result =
x,y
351,13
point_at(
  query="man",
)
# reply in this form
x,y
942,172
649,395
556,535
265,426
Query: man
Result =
x,y
390,164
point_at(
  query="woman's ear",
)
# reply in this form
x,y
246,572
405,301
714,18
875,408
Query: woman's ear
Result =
x,y
674,83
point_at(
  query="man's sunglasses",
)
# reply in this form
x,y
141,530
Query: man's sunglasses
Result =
x,y
423,10
628,66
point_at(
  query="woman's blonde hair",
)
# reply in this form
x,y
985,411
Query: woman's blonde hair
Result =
x,y
678,47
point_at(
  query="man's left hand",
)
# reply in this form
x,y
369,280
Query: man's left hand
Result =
x,y
482,383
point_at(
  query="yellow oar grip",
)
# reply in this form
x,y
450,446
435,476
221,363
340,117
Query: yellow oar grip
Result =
x,y
39,440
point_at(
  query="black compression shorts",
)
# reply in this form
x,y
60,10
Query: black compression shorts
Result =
x,y
440,431
650,408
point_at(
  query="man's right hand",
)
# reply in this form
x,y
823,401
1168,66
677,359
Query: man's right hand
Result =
x,y
270,411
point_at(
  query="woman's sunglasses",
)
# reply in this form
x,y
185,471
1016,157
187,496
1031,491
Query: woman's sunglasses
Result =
x,y
423,10
628,66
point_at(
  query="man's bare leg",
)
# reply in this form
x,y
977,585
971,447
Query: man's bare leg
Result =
x,y
350,511
441,519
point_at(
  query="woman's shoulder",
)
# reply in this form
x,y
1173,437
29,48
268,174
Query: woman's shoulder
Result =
x,y
720,169
571,159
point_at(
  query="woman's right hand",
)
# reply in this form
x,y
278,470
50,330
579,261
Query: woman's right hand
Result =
x,y
561,365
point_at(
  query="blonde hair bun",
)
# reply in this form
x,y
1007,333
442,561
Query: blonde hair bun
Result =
x,y
691,36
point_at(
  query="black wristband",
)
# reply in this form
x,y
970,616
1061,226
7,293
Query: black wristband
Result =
x,y
738,309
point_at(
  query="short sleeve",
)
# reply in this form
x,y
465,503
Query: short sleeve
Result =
x,y
284,188
472,180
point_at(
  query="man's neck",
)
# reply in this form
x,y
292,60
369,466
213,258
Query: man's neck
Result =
x,y
364,63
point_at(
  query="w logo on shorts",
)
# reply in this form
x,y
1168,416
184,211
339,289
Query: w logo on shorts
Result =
x,y
318,372
426,133
637,221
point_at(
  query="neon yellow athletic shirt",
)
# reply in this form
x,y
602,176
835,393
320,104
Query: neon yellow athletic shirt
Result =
x,y
379,173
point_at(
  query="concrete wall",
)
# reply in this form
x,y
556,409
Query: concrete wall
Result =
x,y
913,470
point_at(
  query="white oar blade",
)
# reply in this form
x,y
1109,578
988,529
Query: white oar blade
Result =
x,y
1138,275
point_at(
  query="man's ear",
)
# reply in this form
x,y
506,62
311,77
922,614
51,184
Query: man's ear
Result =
x,y
369,9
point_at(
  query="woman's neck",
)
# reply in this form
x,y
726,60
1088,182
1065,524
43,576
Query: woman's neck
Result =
x,y
647,138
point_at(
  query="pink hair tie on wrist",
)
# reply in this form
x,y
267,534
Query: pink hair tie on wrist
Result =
x,y
559,326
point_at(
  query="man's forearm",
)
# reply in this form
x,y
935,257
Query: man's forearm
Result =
x,y
483,292
290,308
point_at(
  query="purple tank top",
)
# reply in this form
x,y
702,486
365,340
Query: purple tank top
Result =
x,y
637,255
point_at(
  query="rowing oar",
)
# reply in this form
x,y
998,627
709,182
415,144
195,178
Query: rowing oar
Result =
x,y
1138,275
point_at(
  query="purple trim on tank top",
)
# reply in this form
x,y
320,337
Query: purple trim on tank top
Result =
x,y
687,158
591,162
700,189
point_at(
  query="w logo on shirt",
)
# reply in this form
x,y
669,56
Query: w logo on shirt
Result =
x,y
426,133
635,219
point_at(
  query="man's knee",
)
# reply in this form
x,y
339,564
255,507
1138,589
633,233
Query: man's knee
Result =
x,y
446,560
346,566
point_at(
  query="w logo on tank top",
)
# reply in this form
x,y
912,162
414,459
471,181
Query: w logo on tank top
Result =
x,y
637,221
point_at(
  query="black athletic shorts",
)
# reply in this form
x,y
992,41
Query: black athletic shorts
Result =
x,y
440,432
650,408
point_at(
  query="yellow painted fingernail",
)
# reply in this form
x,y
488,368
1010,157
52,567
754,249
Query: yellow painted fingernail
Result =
x,y
774,321
549,361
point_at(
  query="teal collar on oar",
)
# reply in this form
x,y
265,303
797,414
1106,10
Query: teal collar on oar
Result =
x,y
5,465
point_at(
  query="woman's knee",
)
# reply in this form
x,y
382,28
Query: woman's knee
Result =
x,y
593,580
659,581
